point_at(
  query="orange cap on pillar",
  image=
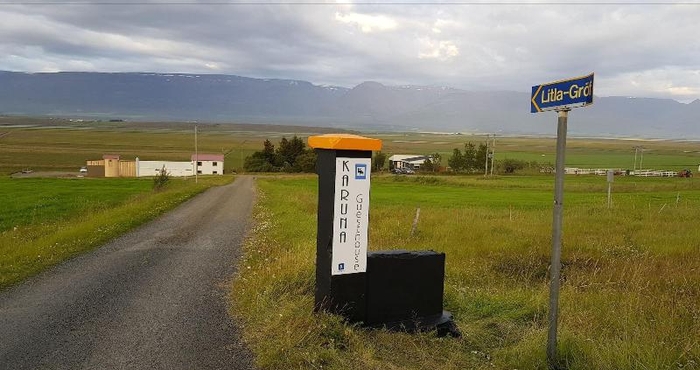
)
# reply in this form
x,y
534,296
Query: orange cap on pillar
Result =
x,y
344,142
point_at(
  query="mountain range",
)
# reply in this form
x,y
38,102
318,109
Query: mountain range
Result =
x,y
367,106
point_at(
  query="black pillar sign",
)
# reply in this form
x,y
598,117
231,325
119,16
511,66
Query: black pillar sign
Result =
x,y
352,183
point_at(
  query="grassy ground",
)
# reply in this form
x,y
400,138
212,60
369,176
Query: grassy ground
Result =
x,y
44,144
60,145
45,221
629,300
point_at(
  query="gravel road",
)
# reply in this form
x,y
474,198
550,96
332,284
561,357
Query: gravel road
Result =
x,y
155,298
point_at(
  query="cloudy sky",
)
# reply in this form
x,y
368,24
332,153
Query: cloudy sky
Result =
x,y
635,48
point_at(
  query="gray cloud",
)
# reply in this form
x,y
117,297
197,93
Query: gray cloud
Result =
x,y
635,49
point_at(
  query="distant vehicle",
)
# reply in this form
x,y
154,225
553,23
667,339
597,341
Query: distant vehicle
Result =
x,y
402,171
26,171
83,169
685,173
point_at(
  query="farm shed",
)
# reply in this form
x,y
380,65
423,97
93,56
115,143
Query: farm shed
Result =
x,y
412,161
111,166
111,163
152,168
209,164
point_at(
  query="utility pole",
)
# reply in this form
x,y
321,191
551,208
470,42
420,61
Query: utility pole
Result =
x,y
196,157
493,152
486,165
639,150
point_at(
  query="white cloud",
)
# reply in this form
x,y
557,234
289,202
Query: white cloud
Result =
x,y
442,50
636,50
367,23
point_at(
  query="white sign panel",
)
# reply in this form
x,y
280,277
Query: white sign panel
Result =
x,y
350,216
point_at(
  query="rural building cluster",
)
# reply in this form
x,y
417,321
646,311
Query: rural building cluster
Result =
x,y
111,165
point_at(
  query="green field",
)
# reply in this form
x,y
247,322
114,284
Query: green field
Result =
x,y
45,221
630,285
630,278
61,145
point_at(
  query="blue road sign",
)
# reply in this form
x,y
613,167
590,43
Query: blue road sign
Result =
x,y
565,94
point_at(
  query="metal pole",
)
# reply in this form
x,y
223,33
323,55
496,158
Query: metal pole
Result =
x,y
486,165
196,156
493,152
641,159
636,149
555,268
609,195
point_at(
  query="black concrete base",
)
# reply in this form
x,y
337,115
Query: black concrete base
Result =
x,y
443,323
405,292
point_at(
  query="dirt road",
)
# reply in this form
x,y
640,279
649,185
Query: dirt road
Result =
x,y
155,298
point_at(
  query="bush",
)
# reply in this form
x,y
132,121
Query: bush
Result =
x,y
161,179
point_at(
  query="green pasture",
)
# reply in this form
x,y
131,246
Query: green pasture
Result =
x,y
630,294
33,201
49,145
45,221
68,146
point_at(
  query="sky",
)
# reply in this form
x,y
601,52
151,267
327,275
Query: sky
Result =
x,y
635,48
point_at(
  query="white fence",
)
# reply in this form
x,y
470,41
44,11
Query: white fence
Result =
x,y
619,172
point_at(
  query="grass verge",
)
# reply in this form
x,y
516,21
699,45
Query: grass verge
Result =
x,y
629,296
60,229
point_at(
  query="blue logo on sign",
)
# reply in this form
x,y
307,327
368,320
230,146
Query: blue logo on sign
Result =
x,y
341,266
360,172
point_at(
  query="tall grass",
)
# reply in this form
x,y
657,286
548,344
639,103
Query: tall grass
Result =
x,y
66,227
630,294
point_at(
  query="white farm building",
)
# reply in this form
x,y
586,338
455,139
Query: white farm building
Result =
x,y
152,168
412,161
112,165
209,164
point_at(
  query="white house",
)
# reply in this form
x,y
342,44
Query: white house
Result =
x,y
209,164
412,161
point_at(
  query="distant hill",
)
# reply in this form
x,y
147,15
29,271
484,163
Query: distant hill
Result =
x,y
369,105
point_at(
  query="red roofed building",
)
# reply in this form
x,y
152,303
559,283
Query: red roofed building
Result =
x,y
208,164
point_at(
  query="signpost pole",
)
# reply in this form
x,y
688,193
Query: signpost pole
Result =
x,y
559,96
555,268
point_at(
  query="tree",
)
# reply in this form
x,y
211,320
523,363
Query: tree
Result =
x,y
378,161
305,162
512,165
457,161
258,162
470,162
427,166
480,157
289,150
290,156
436,159
268,153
